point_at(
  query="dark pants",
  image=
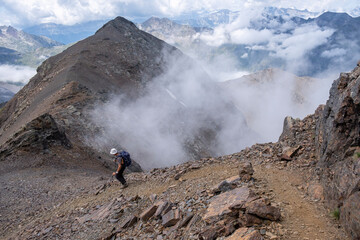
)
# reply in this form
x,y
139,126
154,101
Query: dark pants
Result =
x,y
119,176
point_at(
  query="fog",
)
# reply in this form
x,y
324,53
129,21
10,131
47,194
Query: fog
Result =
x,y
211,106
183,115
266,98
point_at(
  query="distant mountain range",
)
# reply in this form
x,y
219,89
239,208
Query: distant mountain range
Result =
x,y
23,42
66,34
276,39
176,34
5,95
225,16
21,48
199,35
200,19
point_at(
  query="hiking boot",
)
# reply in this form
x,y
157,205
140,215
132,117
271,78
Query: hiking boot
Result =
x,y
124,186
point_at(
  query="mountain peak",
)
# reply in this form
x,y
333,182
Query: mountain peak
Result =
x,y
334,16
118,23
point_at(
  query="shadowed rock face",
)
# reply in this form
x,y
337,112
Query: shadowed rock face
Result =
x,y
37,136
339,162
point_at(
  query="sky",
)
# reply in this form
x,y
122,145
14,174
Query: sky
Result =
x,y
23,13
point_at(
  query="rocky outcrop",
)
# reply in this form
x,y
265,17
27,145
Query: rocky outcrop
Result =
x,y
37,136
332,137
339,160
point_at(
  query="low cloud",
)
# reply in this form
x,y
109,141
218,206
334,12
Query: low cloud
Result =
x,y
335,52
289,46
237,31
266,98
287,42
250,36
293,47
183,111
16,74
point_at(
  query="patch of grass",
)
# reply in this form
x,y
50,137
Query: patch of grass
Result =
x,y
357,155
335,213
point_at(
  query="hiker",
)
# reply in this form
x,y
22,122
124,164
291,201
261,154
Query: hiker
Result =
x,y
119,159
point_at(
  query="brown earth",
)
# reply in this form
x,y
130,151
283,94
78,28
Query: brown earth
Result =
x,y
303,217
281,183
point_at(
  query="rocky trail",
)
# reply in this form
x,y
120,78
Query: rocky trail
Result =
x,y
303,218
108,212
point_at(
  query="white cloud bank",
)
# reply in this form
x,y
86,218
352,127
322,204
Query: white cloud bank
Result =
x,y
303,39
30,12
268,98
16,74
335,52
182,111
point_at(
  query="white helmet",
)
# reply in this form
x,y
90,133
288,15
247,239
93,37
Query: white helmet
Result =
x,y
113,151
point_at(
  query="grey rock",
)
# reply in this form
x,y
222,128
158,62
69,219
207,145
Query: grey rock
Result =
x,y
171,218
148,213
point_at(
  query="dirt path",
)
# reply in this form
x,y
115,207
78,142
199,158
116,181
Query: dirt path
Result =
x,y
303,219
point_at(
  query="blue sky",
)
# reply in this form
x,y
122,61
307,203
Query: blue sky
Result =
x,y
30,12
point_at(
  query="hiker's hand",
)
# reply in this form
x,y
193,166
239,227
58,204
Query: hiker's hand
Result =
x,y
114,173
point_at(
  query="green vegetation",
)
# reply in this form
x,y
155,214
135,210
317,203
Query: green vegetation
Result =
x,y
357,155
335,213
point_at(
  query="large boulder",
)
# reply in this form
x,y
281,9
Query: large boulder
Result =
x,y
220,205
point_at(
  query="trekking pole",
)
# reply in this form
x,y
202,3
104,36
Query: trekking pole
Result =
x,y
110,179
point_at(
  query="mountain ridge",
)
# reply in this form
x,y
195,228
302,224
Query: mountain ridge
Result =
x,y
22,41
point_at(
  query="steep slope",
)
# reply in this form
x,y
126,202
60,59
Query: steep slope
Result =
x,y
267,191
117,58
47,128
334,176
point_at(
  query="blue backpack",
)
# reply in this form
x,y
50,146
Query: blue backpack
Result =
x,y
126,156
